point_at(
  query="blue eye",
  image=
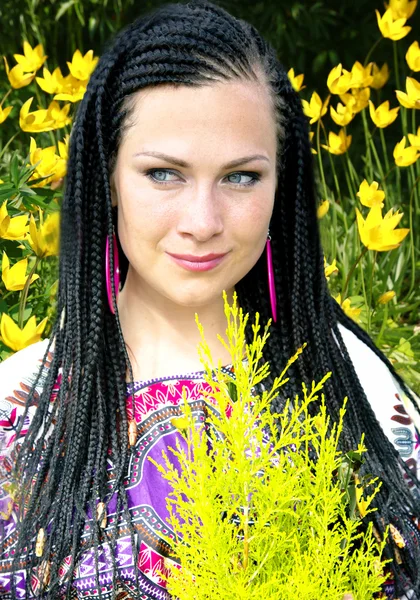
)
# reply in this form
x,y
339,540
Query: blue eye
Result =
x,y
252,178
159,176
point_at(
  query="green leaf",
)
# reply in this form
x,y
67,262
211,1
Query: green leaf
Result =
x,y
7,191
3,306
64,8
14,169
79,12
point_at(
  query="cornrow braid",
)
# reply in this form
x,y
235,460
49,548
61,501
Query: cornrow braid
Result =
x,y
62,462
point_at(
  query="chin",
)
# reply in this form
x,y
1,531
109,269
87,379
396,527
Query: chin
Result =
x,y
197,297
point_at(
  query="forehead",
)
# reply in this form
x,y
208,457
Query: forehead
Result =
x,y
231,114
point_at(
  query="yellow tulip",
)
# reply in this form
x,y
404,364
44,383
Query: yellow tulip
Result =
x,y
342,115
339,80
63,148
17,77
402,9
379,233
15,278
415,139
48,164
338,144
51,83
391,27
330,269
369,195
380,76
72,90
413,57
361,76
386,297
16,338
357,100
4,113
32,59
4,219
353,313
81,67
45,240
315,108
411,99
12,228
383,115
35,121
323,209
404,157
296,80
59,114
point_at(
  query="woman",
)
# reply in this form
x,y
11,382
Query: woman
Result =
x,y
191,148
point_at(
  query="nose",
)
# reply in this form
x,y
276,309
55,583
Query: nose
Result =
x,y
201,216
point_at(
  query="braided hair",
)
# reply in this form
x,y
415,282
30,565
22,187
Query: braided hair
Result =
x,y
62,462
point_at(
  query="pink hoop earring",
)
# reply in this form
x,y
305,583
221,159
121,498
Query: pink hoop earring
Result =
x,y
271,284
116,277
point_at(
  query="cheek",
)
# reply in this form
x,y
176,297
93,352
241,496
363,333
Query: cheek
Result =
x,y
252,224
141,216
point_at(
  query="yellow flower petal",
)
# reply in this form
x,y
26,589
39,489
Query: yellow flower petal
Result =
x,y
323,209
383,115
386,297
370,195
16,338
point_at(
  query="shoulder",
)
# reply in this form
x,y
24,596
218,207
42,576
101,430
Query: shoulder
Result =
x,y
374,374
377,379
17,375
398,418
21,367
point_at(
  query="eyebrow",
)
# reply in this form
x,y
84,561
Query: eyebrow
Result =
x,y
185,165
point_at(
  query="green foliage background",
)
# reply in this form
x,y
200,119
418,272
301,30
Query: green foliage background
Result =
x,y
310,36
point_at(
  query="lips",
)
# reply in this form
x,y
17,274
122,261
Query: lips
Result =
x,y
191,262
197,259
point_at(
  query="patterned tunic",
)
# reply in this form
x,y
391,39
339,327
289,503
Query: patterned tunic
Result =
x,y
156,403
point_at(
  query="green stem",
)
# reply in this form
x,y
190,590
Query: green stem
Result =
x,y
390,171
367,139
397,76
362,278
352,172
5,97
361,255
403,112
379,165
412,244
383,325
378,41
352,191
337,186
382,136
369,313
24,294
3,150
35,23
321,167
413,125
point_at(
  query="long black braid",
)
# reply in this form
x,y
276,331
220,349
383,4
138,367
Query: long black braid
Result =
x,y
62,463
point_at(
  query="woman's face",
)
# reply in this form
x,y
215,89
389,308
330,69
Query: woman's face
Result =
x,y
194,182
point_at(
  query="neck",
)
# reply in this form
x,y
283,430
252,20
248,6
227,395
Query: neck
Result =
x,y
162,336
